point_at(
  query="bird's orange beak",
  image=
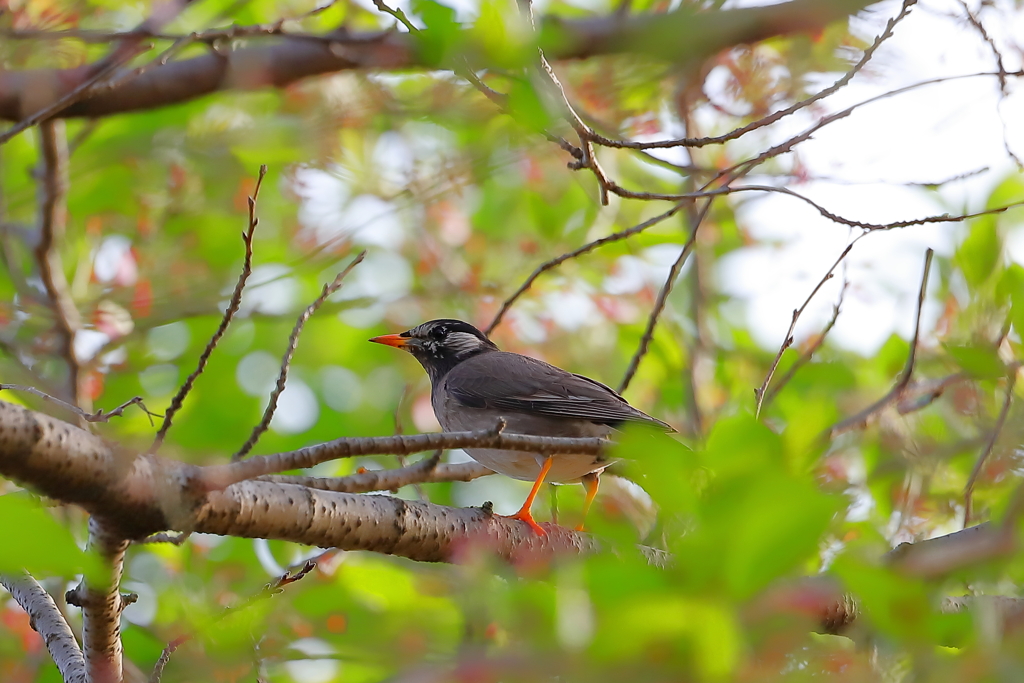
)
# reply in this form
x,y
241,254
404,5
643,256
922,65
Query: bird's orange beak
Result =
x,y
396,340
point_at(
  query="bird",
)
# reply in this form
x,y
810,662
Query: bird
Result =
x,y
474,384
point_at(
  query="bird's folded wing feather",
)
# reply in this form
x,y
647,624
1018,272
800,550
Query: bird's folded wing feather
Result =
x,y
508,381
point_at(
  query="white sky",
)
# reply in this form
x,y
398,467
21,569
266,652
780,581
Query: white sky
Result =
x,y
926,135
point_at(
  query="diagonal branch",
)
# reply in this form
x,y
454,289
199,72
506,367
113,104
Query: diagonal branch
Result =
x,y
293,342
759,393
681,35
996,430
862,418
806,356
99,416
886,33
90,76
229,314
659,304
46,619
589,246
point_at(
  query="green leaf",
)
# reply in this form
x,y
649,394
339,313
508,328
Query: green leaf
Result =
x,y
527,107
741,444
980,361
763,546
34,541
979,253
442,34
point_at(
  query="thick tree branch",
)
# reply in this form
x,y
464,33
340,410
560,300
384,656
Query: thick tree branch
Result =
x,y
47,620
102,604
682,35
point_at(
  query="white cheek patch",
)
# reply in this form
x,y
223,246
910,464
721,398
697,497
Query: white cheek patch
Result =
x,y
462,342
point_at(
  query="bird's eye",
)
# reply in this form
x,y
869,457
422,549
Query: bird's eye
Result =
x,y
439,333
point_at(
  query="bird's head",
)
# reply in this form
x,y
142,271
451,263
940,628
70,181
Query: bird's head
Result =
x,y
440,345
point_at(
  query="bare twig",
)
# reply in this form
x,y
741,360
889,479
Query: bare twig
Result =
x,y
99,416
806,356
776,116
229,314
53,213
1001,66
398,14
919,395
786,146
659,304
863,417
269,590
996,430
165,657
47,620
216,477
589,246
759,392
426,471
293,342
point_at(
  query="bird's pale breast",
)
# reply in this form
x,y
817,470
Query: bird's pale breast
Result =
x,y
518,465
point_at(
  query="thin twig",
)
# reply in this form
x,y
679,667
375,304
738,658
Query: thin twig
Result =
x,y
229,314
806,356
786,146
165,657
759,393
218,477
1000,421
1001,66
920,395
862,418
659,304
589,246
98,416
771,118
427,471
269,590
293,342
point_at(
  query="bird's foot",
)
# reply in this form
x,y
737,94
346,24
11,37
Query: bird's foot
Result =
x,y
525,516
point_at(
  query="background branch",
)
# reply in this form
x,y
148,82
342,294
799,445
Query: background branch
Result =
x,y
293,342
53,214
47,620
862,418
229,314
677,36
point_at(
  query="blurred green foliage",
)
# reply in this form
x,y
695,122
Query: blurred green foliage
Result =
x,y
456,204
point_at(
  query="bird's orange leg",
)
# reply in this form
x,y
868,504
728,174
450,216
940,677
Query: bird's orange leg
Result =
x,y
524,512
591,482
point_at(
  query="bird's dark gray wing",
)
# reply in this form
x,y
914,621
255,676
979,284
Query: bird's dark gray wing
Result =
x,y
508,381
